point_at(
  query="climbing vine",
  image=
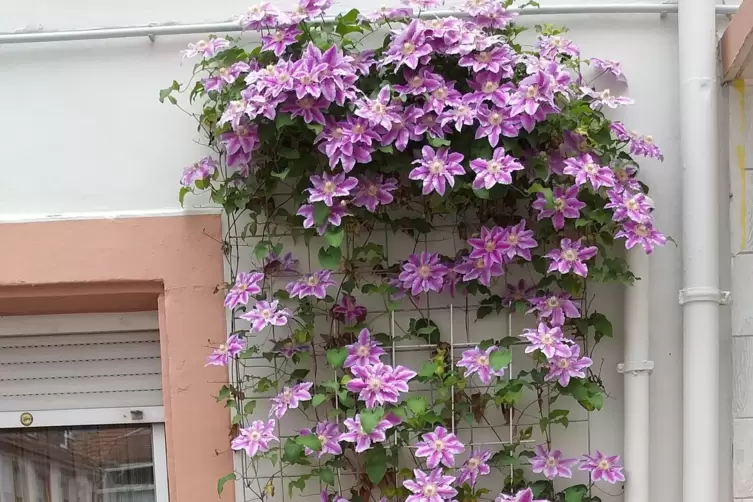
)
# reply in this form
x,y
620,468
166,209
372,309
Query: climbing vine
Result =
x,y
339,132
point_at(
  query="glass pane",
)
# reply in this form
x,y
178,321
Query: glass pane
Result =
x,y
80,464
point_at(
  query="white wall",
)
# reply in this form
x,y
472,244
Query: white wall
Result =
x,y
83,132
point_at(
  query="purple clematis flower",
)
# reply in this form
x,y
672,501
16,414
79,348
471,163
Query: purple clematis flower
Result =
x,y
307,107
430,123
259,16
521,291
390,13
549,340
423,273
489,245
551,464
480,269
334,218
348,311
432,487
500,61
487,87
604,98
278,40
290,398
240,143
603,467
361,438
315,285
266,314
363,61
403,130
497,170
443,96
555,307
329,435
437,169
518,241
364,352
438,447
586,169
633,206
522,496
419,82
409,47
496,122
554,45
203,169
474,467
327,186
562,369
460,114
246,284
276,264
609,66
291,348
478,361
624,175
373,192
641,233
571,256
231,348
566,205
206,49
255,438
379,111
534,91
225,76
378,383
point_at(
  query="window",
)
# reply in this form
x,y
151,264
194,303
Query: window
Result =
x,y
79,464
88,390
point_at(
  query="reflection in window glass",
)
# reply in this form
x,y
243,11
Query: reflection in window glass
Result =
x,y
81,464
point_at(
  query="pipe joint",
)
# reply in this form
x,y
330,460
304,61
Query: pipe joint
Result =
x,y
635,367
704,294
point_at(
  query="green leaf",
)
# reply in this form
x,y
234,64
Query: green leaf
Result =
x,y
224,479
309,441
499,359
336,357
165,93
261,249
327,475
318,399
428,369
293,451
601,324
334,236
417,405
289,153
370,419
321,212
575,493
330,257
438,142
545,191
481,193
376,464
282,174
282,120
182,194
249,407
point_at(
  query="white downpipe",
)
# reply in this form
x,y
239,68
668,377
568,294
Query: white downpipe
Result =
x,y
700,297
637,368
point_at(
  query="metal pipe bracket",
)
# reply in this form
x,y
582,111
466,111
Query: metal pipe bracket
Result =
x,y
635,367
704,294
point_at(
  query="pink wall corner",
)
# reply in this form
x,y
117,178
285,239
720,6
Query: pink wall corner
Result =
x,y
737,42
125,263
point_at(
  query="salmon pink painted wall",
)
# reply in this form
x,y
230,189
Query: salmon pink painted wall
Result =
x,y
171,263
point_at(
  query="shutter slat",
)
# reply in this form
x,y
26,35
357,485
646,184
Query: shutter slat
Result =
x,y
91,370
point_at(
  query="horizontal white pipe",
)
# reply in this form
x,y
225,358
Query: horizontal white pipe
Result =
x,y
164,29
